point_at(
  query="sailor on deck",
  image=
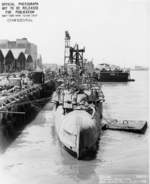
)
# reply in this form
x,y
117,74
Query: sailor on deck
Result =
x,y
67,105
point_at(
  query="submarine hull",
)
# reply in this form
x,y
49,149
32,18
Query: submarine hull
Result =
x,y
78,132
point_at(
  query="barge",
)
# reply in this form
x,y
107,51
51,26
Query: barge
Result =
x,y
112,73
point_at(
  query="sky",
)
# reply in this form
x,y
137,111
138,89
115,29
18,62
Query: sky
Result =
x,y
112,31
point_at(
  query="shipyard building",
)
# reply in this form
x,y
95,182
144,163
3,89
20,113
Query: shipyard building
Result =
x,y
18,55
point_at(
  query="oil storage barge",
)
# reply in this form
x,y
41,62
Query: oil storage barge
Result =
x,y
112,73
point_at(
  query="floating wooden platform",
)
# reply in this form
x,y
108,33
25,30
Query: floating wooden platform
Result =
x,y
125,125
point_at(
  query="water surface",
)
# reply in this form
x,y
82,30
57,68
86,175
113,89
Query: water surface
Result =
x,y
37,157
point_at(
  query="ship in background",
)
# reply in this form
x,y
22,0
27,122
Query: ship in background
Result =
x,y
112,73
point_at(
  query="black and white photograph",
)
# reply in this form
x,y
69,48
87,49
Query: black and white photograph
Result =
x,y
74,91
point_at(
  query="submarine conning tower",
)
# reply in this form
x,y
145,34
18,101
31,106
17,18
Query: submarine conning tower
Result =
x,y
73,57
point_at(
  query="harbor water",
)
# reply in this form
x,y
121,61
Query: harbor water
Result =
x,y
35,155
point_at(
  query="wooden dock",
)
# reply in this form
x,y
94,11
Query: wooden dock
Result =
x,y
135,126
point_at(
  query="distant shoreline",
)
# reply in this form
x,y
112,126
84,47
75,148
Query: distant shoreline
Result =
x,y
144,69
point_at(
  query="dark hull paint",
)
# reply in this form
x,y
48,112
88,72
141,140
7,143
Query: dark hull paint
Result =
x,y
89,143
114,77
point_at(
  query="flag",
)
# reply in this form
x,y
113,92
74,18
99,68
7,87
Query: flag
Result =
x,y
67,35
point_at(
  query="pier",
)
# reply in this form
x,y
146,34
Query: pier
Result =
x,y
21,103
